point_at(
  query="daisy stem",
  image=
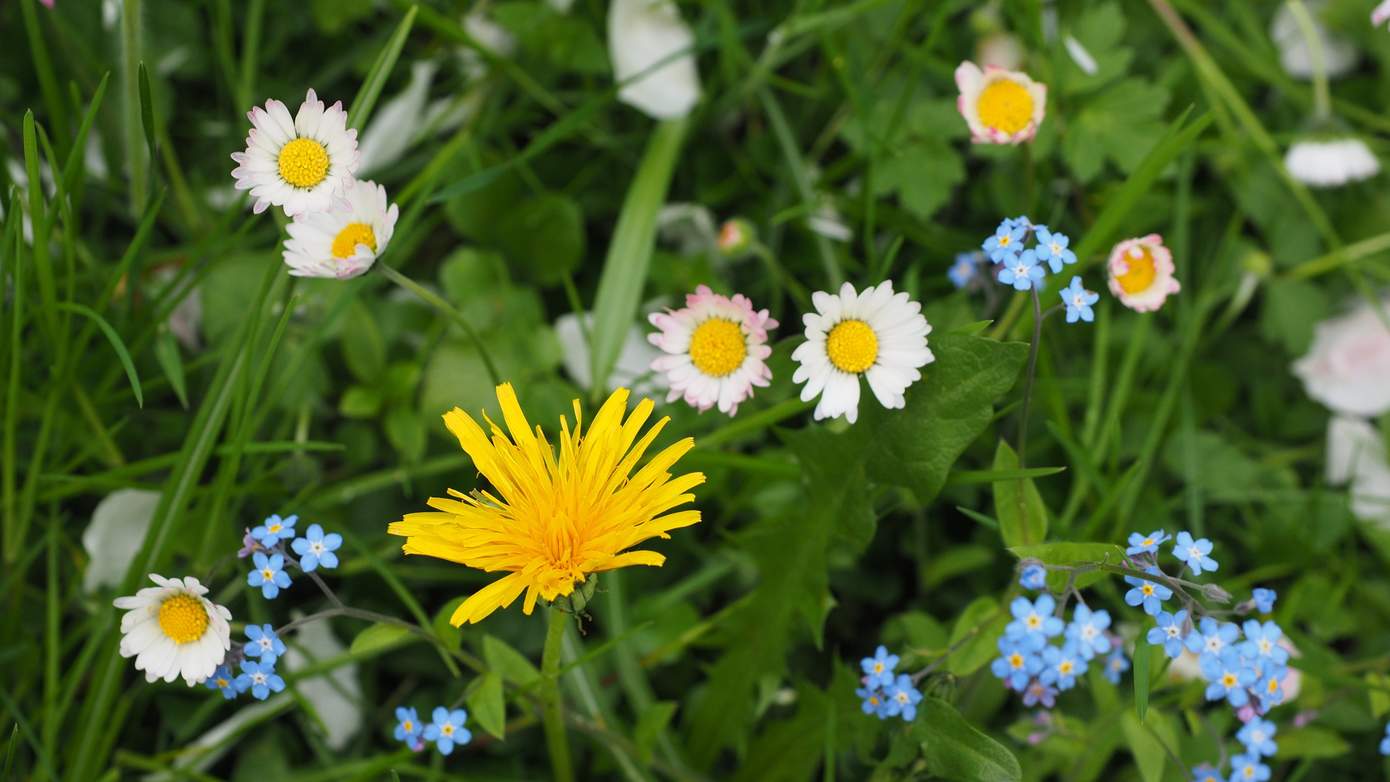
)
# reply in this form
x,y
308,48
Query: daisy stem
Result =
x,y
556,740
1028,381
1322,95
435,300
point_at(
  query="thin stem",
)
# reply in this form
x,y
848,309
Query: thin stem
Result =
x,y
556,740
1028,381
435,300
1322,95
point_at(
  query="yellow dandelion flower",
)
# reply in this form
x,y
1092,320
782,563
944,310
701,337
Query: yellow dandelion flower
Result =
x,y
550,520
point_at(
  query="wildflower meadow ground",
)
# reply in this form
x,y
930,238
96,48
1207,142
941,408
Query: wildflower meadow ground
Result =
x,y
694,390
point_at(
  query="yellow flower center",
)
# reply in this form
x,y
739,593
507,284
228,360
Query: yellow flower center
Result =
x,y
183,618
852,346
268,574
878,667
447,729
1147,589
873,700
1015,660
409,726
353,234
1249,772
1065,667
717,347
1139,271
1147,541
303,162
1034,621
1228,680
1005,105
902,697
222,683
275,527
1273,686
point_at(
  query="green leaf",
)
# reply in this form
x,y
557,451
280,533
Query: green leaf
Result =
x,y
630,252
377,638
370,90
449,635
360,402
923,174
1311,742
1022,514
166,352
789,750
946,410
363,347
117,344
1142,678
954,749
406,431
544,237
486,705
147,112
652,721
1378,689
1289,311
507,662
1148,750
977,630
1072,554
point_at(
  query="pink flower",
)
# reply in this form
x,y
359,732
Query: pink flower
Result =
x,y
715,350
1381,14
1141,273
1349,363
1001,107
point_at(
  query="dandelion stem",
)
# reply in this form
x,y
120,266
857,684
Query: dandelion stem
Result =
x,y
556,740
1028,381
435,300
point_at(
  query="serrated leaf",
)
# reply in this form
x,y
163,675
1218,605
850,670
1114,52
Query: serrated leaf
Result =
x,y
486,705
508,663
1022,514
954,749
378,637
923,174
946,410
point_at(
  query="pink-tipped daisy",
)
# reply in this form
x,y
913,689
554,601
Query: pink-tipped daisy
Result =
x,y
345,240
1141,273
716,350
875,333
1001,107
298,163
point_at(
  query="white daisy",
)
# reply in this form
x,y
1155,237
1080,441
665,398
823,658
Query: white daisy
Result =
x,y
297,163
1331,162
345,240
172,630
1141,273
877,333
716,350
1001,107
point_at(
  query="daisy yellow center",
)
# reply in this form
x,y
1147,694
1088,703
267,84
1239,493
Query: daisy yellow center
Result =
x,y
1005,105
303,162
1139,271
353,234
852,346
717,347
183,618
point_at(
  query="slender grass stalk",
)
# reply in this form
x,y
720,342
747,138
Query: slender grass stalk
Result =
x,y
556,739
132,124
1029,379
1317,58
447,310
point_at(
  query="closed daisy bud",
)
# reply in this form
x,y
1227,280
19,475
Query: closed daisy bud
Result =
x,y
298,163
172,630
1141,273
1001,107
715,350
345,240
876,333
1331,162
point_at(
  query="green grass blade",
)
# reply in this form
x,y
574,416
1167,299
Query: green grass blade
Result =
x,y
630,253
370,90
132,49
116,342
73,168
38,218
147,114
43,68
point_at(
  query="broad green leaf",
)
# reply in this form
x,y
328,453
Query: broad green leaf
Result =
x,y
1311,742
378,637
363,347
449,635
405,429
544,237
486,705
789,750
1022,515
1072,554
977,631
508,663
1378,689
359,402
946,410
1147,749
1142,677
953,749
650,723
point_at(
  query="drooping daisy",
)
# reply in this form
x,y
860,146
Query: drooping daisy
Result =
x,y
1331,162
876,333
1001,107
715,350
552,518
298,163
1141,273
345,240
172,630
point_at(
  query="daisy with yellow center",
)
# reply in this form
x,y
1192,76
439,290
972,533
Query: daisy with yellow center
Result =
x,y
1000,106
552,517
715,350
1141,273
345,240
172,630
877,334
298,163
